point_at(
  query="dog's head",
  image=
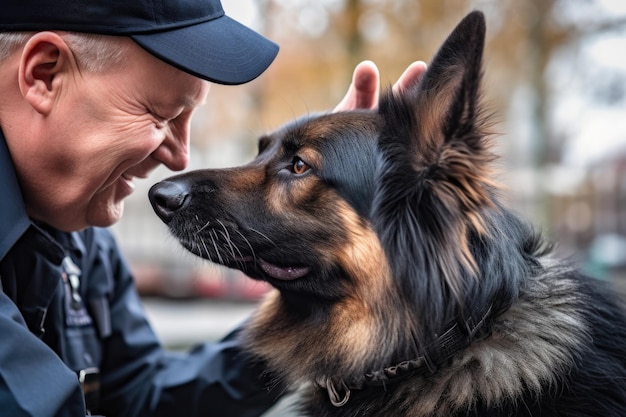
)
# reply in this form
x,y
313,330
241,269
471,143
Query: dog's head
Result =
x,y
282,217
349,211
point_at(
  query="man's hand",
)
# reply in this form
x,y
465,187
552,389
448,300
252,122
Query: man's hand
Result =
x,y
365,87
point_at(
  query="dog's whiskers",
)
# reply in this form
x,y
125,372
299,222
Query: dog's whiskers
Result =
x,y
203,227
231,244
227,241
227,238
233,249
208,255
247,243
262,235
213,236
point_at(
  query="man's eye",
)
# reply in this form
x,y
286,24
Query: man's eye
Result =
x,y
159,120
299,166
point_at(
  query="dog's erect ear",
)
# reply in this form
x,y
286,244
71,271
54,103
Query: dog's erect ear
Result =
x,y
434,176
446,99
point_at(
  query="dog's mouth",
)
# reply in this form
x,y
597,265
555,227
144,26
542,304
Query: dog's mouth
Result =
x,y
279,272
284,273
256,263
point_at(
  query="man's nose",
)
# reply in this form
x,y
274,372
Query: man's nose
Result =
x,y
173,152
167,197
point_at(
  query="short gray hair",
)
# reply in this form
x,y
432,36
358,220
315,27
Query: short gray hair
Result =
x,y
10,41
93,52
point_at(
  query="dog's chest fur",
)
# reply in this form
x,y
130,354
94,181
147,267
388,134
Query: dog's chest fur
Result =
x,y
531,346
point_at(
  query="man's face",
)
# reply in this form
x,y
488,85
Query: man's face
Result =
x,y
106,129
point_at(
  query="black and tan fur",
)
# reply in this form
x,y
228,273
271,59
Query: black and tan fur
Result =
x,y
382,229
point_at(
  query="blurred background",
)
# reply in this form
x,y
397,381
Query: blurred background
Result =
x,y
555,73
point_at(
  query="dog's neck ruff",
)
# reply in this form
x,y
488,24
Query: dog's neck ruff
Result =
x,y
456,337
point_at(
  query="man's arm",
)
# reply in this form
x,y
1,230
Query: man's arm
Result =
x,y
140,378
33,380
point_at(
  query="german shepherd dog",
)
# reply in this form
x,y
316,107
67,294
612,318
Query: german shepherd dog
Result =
x,y
403,286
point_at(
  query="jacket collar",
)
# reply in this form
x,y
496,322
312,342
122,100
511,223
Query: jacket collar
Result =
x,y
13,218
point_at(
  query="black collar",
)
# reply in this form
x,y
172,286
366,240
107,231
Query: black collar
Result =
x,y
457,336
14,220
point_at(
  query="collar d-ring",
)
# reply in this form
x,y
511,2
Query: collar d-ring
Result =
x,y
340,395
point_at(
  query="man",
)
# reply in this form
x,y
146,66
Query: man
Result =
x,y
94,94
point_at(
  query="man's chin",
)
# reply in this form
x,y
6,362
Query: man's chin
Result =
x,y
105,216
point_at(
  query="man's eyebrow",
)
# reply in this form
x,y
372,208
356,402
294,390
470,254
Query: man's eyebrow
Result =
x,y
183,103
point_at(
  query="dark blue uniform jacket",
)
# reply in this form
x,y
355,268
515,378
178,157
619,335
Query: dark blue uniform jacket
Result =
x,y
68,304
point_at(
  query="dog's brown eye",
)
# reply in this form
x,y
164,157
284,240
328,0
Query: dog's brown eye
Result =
x,y
299,166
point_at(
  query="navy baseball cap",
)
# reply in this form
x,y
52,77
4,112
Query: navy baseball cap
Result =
x,y
193,35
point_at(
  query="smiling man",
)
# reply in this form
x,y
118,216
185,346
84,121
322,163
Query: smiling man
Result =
x,y
92,95
89,133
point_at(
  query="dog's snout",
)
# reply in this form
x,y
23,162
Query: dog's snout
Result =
x,y
167,197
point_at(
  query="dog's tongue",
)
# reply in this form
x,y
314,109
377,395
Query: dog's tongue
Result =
x,y
287,273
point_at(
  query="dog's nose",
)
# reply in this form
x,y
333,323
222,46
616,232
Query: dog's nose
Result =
x,y
166,197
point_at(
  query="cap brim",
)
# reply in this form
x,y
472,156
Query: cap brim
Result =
x,y
220,50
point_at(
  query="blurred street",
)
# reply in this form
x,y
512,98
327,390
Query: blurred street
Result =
x,y
182,323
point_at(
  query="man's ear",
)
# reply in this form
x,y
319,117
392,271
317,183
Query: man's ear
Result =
x,y
46,59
